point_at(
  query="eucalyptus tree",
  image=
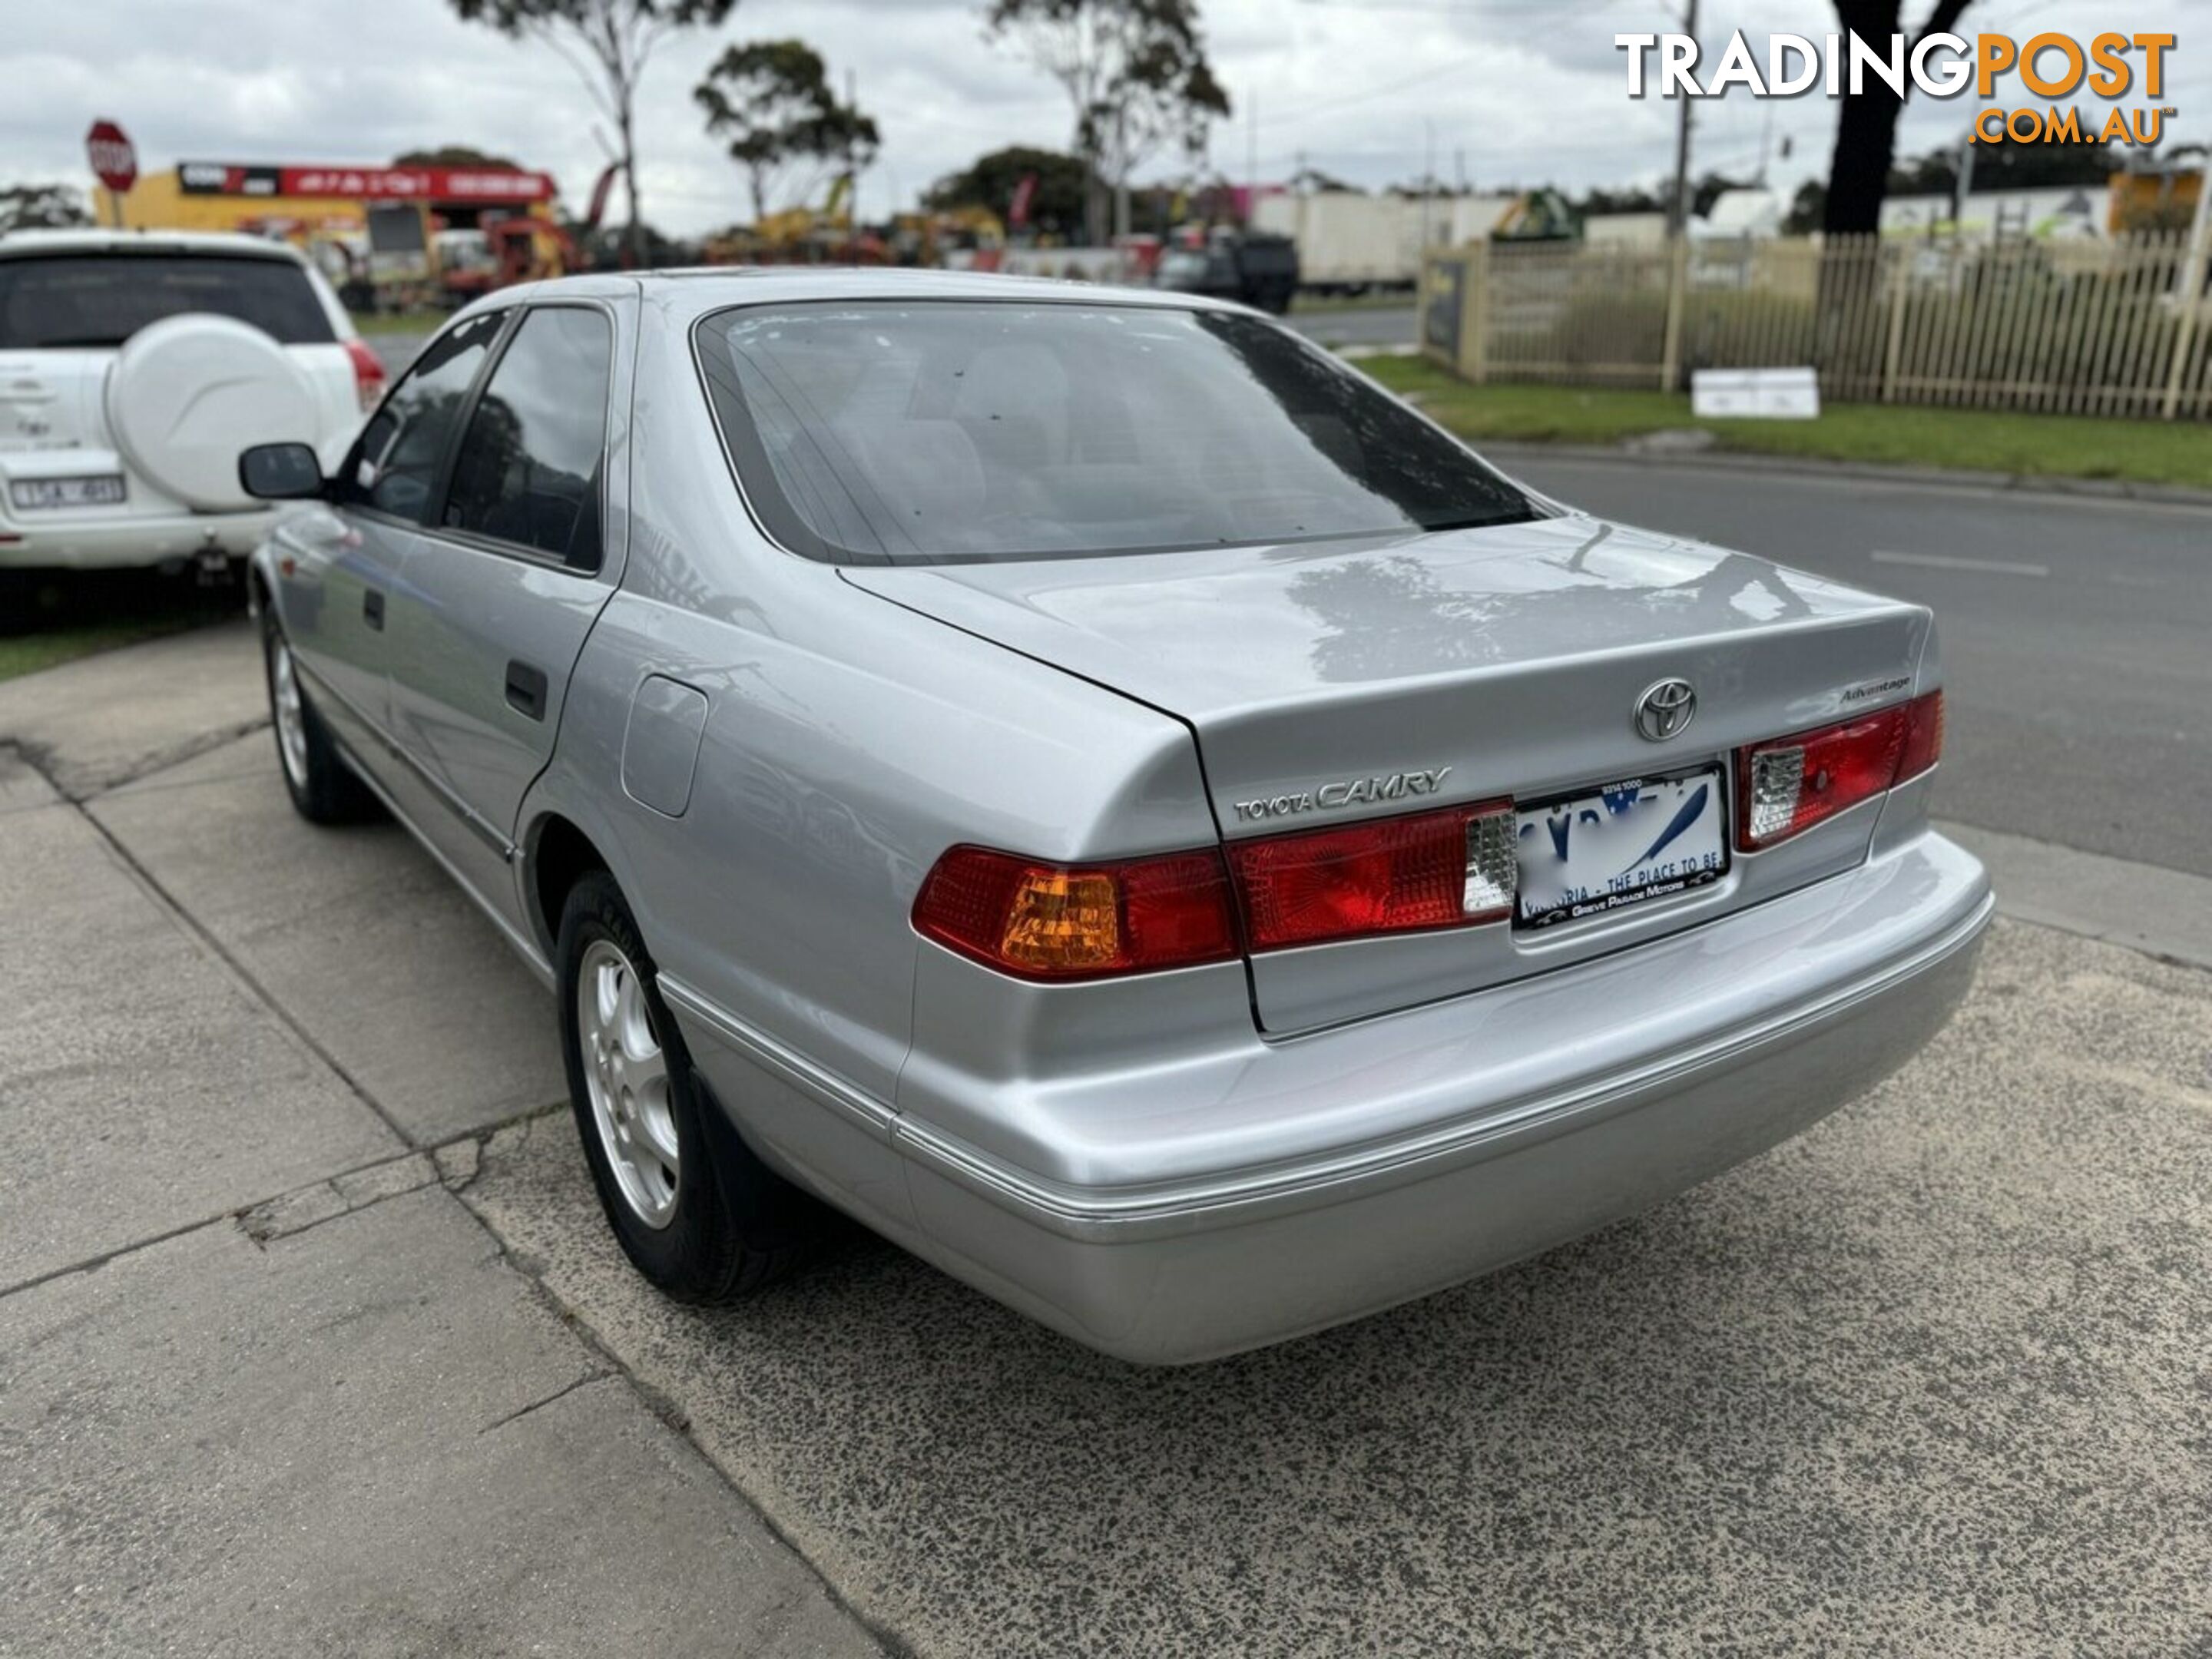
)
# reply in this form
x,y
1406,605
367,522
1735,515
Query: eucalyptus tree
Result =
x,y
608,44
772,101
1135,73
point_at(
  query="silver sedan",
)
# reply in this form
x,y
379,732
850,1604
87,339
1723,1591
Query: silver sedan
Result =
x,y
1088,785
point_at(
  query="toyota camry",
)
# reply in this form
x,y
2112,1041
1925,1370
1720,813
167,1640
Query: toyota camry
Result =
x,y
1087,784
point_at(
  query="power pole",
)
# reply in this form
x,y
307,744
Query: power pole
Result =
x,y
851,161
1678,232
1678,210
2193,289
1428,178
1962,181
1252,158
1121,172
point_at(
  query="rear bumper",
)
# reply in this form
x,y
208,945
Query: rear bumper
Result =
x,y
59,543
1751,1030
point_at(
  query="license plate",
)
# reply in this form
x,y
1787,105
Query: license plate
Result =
x,y
105,490
1622,844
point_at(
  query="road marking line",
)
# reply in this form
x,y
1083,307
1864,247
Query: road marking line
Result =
x,y
1946,562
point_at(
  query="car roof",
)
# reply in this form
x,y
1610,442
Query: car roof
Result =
x,y
17,244
695,289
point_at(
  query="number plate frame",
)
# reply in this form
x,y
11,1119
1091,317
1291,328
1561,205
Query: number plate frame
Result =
x,y
1533,819
49,494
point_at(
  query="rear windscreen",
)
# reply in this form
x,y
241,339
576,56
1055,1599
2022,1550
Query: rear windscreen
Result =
x,y
102,300
911,433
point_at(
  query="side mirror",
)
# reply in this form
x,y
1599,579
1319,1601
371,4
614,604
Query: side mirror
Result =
x,y
281,472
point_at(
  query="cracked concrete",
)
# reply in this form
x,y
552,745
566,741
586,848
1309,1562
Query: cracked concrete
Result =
x,y
308,1206
554,1398
369,1437
266,1385
98,721
142,1087
414,999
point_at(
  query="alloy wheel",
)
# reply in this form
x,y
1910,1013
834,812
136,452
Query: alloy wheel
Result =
x,y
626,1075
290,712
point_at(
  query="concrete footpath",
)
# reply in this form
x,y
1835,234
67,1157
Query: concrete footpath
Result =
x,y
266,1385
312,1339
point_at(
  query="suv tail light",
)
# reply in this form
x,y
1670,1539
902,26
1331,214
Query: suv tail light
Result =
x,y
1057,922
1792,783
368,374
1446,869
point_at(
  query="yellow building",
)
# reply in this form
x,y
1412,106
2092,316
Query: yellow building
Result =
x,y
300,199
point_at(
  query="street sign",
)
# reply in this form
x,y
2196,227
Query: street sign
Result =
x,y
113,159
1767,394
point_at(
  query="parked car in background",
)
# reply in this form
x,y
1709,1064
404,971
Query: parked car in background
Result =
x,y
1091,786
1252,269
133,367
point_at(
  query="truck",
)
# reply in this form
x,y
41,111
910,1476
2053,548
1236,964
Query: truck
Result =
x,y
1348,241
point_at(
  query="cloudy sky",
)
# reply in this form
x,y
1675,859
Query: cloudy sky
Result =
x,y
1505,91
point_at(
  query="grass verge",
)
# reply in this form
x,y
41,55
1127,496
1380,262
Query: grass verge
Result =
x,y
54,620
2044,446
400,322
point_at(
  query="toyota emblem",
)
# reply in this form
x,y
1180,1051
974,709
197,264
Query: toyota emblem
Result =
x,y
1665,709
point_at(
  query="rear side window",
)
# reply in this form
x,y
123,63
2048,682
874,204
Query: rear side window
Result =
x,y
528,470
397,461
95,299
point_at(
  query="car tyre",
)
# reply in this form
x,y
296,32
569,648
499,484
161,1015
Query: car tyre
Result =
x,y
694,1208
324,788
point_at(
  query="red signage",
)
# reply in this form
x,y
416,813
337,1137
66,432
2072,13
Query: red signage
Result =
x,y
598,209
114,162
467,187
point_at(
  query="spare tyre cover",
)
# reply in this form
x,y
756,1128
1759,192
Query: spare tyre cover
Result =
x,y
187,393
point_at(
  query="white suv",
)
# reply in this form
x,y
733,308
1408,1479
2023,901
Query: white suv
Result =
x,y
134,367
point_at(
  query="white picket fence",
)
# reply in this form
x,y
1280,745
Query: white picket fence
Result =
x,y
2078,327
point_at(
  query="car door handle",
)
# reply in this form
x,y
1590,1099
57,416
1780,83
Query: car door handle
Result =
x,y
372,608
526,689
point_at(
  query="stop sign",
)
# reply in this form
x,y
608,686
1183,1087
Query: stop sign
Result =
x,y
111,157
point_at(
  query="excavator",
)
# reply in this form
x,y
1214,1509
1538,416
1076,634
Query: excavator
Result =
x,y
803,235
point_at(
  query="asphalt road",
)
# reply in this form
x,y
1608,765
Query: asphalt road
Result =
x,y
2076,633
1391,325
395,350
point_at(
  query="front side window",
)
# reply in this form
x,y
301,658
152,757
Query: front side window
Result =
x,y
882,432
528,468
57,302
395,464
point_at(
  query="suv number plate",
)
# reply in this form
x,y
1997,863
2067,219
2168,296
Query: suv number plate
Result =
x,y
104,490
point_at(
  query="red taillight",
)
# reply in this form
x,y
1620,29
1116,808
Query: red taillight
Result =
x,y
1063,921
1792,783
1054,922
368,374
1924,736
1394,875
